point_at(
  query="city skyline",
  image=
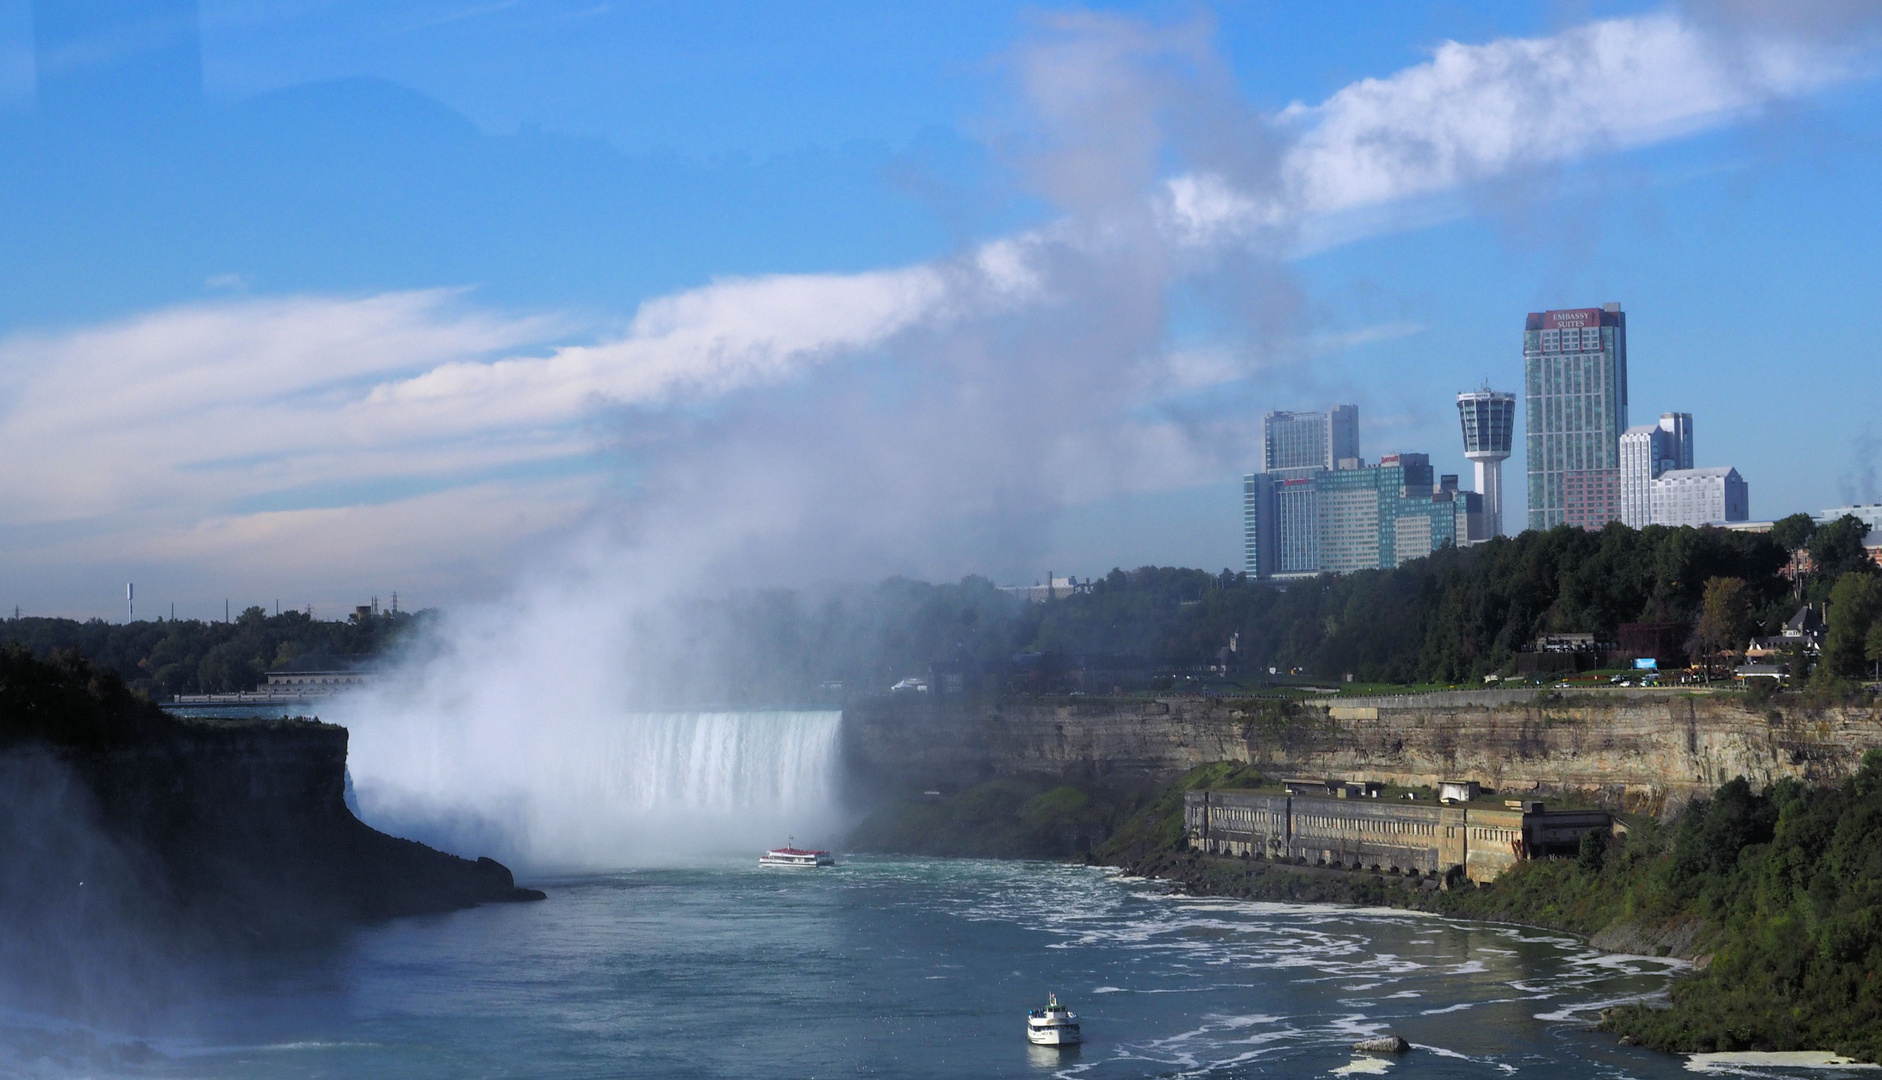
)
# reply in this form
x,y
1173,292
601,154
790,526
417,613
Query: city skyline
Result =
x,y
390,296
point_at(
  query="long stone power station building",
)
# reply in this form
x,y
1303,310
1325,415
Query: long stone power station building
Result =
x,y
1480,842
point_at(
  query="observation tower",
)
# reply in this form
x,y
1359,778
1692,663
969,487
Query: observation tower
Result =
x,y
1489,420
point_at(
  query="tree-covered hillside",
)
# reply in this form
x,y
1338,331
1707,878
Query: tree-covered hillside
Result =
x,y
187,656
1454,616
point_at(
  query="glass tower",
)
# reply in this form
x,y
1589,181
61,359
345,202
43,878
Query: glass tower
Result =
x,y
1575,393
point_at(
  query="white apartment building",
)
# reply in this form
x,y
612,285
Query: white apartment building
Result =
x,y
1700,497
1648,451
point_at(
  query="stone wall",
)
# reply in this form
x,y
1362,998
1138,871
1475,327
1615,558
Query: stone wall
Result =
x,y
1644,750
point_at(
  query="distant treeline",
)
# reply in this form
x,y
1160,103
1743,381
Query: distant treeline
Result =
x,y
189,656
1454,616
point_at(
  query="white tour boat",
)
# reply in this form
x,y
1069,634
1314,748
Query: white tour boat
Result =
x,y
792,855
1054,1025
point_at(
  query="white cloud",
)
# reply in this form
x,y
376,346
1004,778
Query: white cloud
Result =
x,y
702,343
1478,112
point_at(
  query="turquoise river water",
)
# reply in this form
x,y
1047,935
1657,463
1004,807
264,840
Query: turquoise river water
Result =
x,y
886,967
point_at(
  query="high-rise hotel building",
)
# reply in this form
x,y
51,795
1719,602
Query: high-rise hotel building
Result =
x,y
1281,504
1298,443
1575,370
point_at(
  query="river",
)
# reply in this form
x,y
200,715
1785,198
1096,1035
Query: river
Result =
x,y
888,967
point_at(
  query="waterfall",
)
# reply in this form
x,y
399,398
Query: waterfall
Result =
x,y
599,792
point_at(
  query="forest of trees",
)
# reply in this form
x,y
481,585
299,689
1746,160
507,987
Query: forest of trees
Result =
x,y
1454,616
188,656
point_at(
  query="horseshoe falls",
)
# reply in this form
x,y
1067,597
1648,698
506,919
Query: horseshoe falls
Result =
x,y
602,791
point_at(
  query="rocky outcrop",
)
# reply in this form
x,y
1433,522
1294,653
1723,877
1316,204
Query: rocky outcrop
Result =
x,y
1644,939
246,824
1646,751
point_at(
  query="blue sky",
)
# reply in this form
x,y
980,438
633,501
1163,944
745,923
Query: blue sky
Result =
x,y
413,293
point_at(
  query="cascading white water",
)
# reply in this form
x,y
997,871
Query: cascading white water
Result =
x,y
771,764
603,792
507,730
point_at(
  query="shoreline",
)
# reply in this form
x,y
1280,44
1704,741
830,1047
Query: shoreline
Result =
x,y
1179,888
1364,888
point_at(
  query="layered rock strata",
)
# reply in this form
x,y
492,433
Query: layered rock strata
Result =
x,y
1645,751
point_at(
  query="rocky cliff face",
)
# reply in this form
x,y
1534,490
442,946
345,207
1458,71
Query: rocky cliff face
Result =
x,y
1647,751
247,822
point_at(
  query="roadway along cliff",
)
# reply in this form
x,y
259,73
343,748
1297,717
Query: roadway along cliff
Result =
x,y
1642,751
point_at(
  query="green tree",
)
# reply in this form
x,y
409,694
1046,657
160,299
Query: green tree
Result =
x,y
1855,601
1593,852
1724,617
1837,548
1794,532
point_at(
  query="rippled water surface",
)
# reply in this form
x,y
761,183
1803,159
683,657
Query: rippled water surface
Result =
x,y
903,968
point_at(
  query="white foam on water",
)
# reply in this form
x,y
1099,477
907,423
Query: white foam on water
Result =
x,y
1363,1066
1441,1051
1575,1011
1212,946
1741,1063
1248,1021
